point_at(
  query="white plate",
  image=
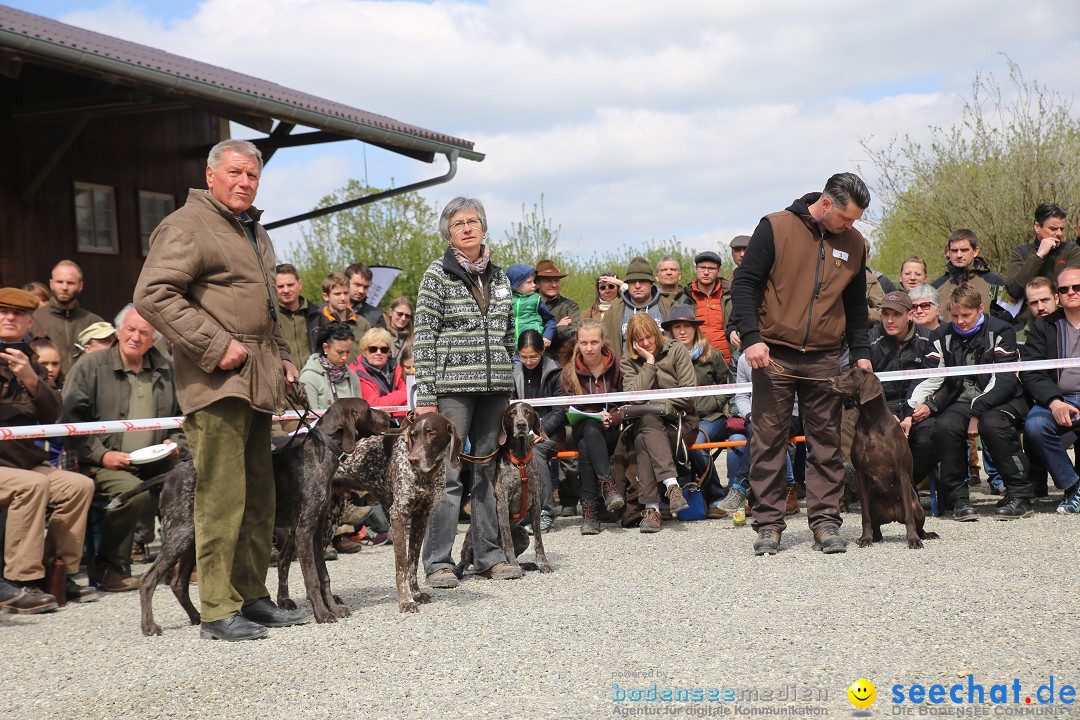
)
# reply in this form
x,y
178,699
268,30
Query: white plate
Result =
x,y
150,454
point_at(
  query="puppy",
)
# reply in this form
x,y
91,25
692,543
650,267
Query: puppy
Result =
x,y
515,467
882,461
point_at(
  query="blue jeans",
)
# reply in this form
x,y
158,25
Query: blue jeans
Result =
x,y
1043,436
742,474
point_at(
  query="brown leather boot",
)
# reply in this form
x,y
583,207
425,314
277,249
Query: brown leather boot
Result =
x,y
792,506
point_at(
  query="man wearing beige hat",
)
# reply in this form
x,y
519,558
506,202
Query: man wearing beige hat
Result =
x,y
641,295
566,311
98,336
62,319
27,483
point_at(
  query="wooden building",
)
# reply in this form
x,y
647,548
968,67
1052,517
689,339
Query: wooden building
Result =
x,y
100,138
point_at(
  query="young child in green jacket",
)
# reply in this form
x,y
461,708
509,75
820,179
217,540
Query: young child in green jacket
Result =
x,y
529,309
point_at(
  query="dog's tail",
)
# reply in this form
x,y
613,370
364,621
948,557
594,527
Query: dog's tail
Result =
x,y
140,488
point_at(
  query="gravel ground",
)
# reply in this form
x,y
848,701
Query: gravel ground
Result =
x,y
688,607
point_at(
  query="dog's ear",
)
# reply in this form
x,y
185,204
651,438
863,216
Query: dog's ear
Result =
x,y
869,388
456,446
502,428
351,428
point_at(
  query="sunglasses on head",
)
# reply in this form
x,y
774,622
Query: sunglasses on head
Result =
x,y
378,349
1066,289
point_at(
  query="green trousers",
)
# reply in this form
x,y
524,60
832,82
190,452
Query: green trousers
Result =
x,y
234,504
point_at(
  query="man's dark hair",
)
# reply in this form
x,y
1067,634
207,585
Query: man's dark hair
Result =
x,y
287,269
1046,211
848,187
358,267
962,234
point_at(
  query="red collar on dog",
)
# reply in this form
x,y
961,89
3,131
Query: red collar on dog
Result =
x,y
522,465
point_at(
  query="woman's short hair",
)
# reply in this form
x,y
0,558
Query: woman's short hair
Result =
x,y
375,335
641,326
457,205
965,296
530,339
333,331
924,293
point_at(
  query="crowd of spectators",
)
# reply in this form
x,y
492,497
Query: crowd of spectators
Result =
x,y
645,329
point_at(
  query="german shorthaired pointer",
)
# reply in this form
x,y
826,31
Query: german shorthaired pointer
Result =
x,y
407,475
302,474
517,490
882,461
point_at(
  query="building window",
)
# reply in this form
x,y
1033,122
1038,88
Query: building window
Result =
x,y
153,207
95,218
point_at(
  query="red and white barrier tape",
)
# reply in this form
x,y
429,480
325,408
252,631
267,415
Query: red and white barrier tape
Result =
x,y
99,428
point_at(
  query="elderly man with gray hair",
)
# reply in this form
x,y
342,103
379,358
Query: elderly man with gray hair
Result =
x,y
132,380
208,287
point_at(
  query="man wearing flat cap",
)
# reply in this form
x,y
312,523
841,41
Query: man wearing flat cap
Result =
x,y
27,483
738,248
640,295
709,294
566,311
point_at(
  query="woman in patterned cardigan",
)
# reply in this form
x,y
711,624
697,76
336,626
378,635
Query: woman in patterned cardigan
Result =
x,y
463,345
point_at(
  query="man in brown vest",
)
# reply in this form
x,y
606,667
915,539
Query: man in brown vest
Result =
x,y
800,291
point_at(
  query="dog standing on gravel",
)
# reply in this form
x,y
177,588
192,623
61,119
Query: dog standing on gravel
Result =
x,y
517,490
882,461
302,486
407,475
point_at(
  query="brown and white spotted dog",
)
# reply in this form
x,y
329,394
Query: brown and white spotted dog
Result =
x,y
407,475
517,490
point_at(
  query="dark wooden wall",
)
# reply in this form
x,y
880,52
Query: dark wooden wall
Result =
x,y
160,148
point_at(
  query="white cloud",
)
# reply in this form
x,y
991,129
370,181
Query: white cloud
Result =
x,y
636,120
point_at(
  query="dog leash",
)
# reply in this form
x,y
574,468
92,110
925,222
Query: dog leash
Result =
x,y
522,465
479,459
312,430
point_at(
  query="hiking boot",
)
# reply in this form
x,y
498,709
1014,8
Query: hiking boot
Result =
x,y
79,593
650,520
714,511
792,506
590,523
676,502
503,571
733,500
329,553
612,499
140,554
444,579
113,580
345,545
768,542
1015,509
964,512
828,540
1070,505
569,511
24,601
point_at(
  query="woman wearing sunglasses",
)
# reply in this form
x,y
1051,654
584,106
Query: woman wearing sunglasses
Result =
x,y
608,287
399,323
382,382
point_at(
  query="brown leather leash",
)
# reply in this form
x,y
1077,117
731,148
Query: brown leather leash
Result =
x,y
522,465
479,459
778,369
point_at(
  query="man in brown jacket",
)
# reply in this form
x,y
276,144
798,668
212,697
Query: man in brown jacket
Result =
x,y
208,286
800,291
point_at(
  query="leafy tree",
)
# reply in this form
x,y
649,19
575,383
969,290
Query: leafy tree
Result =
x,y
401,231
530,240
1008,153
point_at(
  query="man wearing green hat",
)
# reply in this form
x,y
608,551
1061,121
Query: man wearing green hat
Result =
x,y
641,295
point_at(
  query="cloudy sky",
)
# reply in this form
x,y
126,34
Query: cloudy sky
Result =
x,y
636,120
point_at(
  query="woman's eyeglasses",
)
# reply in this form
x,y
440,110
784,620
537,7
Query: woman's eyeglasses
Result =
x,y
922,306
460,224
378,349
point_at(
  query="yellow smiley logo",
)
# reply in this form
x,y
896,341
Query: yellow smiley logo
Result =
x,y
862,693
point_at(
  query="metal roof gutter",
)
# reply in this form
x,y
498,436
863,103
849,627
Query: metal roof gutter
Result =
x,y
244,101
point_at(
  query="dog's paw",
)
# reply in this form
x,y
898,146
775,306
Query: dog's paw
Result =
x,y
422,598
341,611
864,542
321,617
151,630
546,568
286,604
914,543
408,606
931,536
